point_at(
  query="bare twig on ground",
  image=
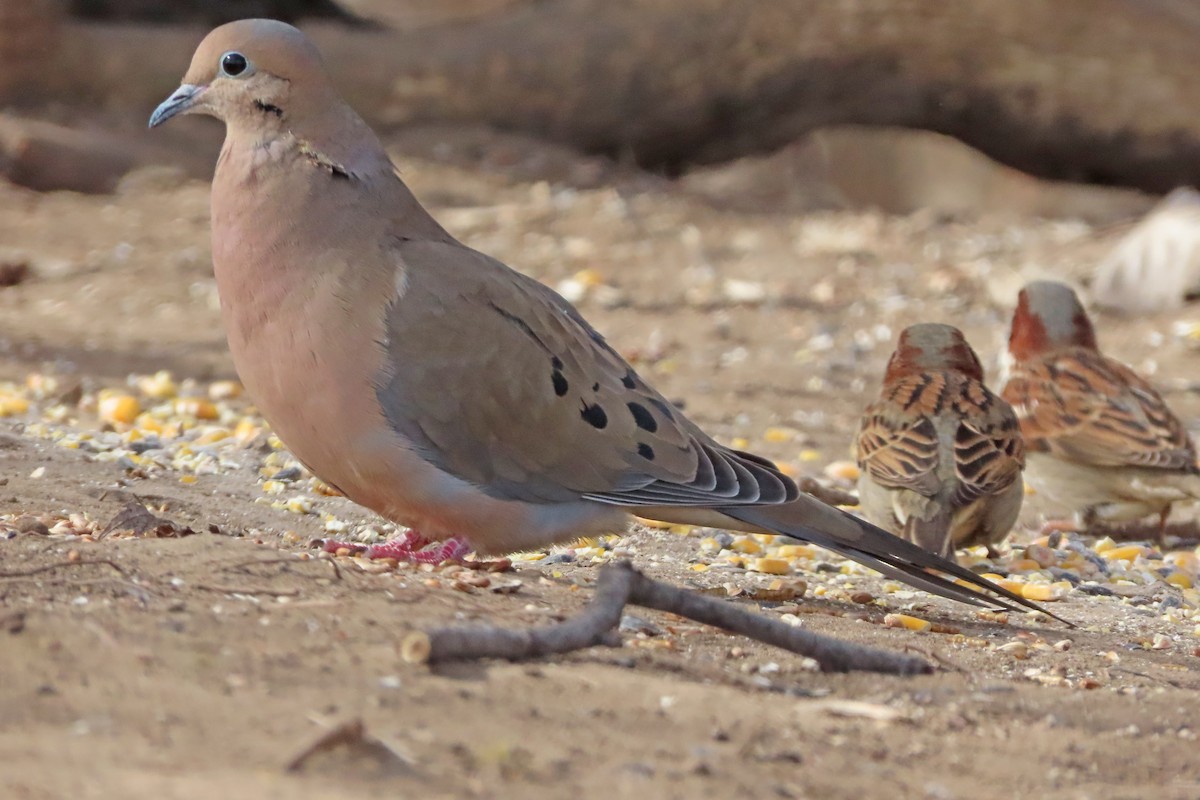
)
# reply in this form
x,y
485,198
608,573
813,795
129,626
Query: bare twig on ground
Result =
x,y
247,590
619,585
25,573
829,495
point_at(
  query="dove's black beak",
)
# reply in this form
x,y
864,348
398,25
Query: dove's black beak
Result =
x,y
179,102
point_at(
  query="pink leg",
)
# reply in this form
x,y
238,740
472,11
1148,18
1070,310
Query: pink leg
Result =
x,y
1061,526
408,546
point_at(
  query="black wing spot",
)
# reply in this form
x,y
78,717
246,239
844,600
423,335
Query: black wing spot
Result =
x,y
645,451
594,415
628,381
643,418
665,408
555,361
560,383
595,387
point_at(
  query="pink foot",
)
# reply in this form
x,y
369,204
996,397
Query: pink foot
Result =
x,y
1051,526
410,546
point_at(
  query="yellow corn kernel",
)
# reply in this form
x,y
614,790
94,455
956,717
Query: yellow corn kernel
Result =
x,y
1184,560
991,576
1104,545
147,424
1025,564
273,487
224,390
1013,586
589,278
10,405
188,479
121,408
1179,579
196,407
739,443
778,435
1044,591
699,567
795,551
770,566
246,431
1127,553
745,545
299,505
212,435
907,622
842,471
159,386
809,455
791,470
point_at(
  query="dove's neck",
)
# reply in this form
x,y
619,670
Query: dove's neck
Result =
x,y
302,227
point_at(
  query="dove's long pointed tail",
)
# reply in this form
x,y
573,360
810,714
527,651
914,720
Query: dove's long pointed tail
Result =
x,y
812,521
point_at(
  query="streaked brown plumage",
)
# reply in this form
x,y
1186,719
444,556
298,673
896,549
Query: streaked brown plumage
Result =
x,y
940,455
1103,444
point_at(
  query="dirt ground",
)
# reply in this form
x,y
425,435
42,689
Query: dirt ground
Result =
x,y
177,668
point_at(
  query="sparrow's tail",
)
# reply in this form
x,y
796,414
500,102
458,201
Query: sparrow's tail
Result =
x,y
931,534
812,521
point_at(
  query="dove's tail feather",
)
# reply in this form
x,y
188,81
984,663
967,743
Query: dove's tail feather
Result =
x,y
812,521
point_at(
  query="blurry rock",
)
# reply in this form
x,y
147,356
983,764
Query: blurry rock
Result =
x,y
404,15
48,157
30,35
900,171
154,178
13,271
1156,266
209,12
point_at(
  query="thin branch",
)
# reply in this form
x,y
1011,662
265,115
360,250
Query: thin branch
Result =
x,y
620,584
830,495
25,573
247,590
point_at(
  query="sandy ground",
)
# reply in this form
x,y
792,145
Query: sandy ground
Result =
x,y
181,669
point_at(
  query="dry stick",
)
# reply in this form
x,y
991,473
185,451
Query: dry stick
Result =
x,y
246,590
25,573
620,584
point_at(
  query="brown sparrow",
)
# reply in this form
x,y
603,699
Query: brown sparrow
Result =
x,y
940,455
1102,442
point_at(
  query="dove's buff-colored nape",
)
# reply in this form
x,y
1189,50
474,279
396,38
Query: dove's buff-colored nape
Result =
x,y
1048,316
933,346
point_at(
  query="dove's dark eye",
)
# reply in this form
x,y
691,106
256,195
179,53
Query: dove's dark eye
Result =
x,y
233,64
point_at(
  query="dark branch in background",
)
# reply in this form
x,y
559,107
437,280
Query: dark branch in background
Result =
x,y
619,585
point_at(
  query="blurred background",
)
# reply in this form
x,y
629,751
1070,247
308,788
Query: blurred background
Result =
x,y
751,198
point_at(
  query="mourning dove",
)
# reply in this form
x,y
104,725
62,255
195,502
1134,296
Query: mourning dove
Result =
x,y
432,383
940,455
1101,441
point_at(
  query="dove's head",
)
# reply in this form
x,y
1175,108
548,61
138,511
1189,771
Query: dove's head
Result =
x,y
933,347
1048,317
253,73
